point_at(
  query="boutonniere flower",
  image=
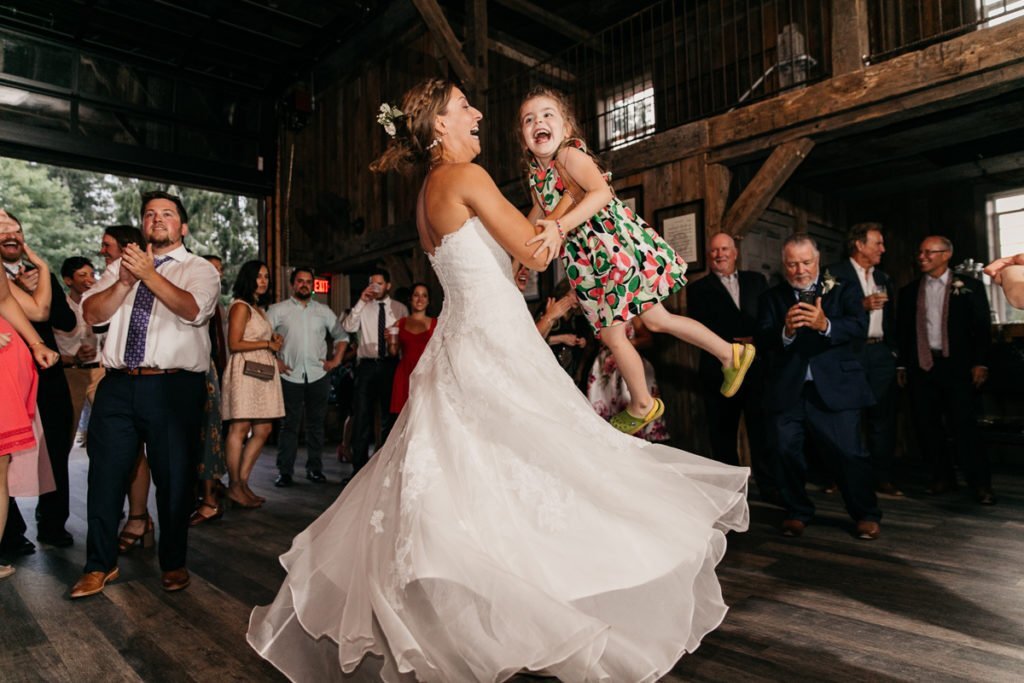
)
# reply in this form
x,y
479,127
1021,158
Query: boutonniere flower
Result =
x,y
959,287
829,281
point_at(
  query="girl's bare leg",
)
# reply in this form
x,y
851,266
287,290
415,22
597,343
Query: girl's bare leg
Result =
x,y
658,319
631,366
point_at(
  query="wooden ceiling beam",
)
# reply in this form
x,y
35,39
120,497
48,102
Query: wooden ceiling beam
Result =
x,y
445,38
506,50
770,178
549,19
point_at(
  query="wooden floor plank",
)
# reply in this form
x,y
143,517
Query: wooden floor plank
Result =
x,y
939,597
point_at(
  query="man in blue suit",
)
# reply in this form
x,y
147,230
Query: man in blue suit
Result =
x,y
866,244
815,383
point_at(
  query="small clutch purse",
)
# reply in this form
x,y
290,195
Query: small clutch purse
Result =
x,y
261,371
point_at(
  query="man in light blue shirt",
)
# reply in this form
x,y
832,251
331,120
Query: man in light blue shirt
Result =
x,y
305,325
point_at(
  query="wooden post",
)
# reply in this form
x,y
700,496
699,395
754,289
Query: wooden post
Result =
x,y
850,39
445,38
477,46
770,178
717,178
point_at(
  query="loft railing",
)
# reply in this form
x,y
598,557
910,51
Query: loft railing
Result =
x,y
899,26
674,62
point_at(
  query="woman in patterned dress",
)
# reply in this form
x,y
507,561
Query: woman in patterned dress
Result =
x,y
608,393
619,267
249,403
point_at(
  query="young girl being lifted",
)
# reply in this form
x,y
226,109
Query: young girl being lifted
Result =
x,y
618,266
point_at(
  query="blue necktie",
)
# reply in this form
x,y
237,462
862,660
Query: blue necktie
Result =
x,y
138,324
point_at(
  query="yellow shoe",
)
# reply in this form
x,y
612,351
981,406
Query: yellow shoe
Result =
x,y
628,423
742,359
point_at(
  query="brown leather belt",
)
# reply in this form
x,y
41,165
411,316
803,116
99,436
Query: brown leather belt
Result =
x,y
874,340
143,372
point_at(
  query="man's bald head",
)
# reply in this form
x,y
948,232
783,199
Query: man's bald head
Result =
x,y
722,254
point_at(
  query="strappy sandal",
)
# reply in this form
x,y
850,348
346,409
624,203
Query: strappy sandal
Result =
x,y
631,424
742,358
128,540
6,570
198,517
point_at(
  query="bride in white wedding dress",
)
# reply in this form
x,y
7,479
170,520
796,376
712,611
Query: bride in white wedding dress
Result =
x,y
504,526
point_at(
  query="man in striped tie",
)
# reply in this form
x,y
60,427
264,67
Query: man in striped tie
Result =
x,y
158,303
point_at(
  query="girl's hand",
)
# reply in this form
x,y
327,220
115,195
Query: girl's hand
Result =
x,y
548,238
276,342
44,357
5,339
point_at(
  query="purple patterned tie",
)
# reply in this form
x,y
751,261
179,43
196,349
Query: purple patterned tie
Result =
x,y
138,324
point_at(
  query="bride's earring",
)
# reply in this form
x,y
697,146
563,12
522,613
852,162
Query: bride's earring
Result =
x,y
435,143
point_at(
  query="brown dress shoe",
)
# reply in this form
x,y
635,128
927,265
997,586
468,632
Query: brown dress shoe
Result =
x,y
868,531
985,496
793,528
887,488
92,583
175,580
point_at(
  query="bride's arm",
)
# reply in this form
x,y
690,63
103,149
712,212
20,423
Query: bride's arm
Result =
x,y
509,227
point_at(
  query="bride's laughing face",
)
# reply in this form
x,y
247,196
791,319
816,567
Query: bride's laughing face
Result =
x,y
459,128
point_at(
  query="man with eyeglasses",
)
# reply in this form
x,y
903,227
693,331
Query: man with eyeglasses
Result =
x,y
944,342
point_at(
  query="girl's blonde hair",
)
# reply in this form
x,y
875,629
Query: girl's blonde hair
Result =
x,y
572,126
413,145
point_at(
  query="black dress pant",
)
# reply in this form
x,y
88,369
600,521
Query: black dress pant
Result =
x,y
309,398
723,416
165,413
945,405
880,419
372,390
56,413
838,433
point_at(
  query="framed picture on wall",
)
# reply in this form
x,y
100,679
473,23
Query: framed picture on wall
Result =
x,y
682,226
633,197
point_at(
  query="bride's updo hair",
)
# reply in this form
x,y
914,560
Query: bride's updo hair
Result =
x,y
412,146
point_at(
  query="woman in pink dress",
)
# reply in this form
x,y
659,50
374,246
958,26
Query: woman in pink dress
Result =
x,y
414,331
24,467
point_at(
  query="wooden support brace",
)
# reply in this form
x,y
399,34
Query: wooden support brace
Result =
x,y
434,18
770,178
549,19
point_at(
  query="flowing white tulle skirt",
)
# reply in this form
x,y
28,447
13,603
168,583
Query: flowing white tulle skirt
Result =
x,y
505,527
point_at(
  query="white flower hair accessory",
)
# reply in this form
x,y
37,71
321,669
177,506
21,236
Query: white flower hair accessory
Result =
x,y
387,117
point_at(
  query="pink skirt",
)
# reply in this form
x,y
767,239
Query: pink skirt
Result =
x,y
21,433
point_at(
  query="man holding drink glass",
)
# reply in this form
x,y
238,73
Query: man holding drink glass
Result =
x,y
372,317
865,246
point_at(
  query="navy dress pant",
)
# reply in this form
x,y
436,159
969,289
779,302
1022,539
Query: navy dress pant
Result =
x,y
837,432
164,412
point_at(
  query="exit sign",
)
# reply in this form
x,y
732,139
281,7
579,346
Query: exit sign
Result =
x,y
322,285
